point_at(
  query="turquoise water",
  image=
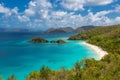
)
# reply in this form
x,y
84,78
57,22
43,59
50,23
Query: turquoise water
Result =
x,y
19,57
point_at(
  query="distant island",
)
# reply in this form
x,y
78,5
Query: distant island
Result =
x,y
68,29
50,30
42,40
108,68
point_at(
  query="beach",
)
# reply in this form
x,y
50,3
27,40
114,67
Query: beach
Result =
x,y
99,51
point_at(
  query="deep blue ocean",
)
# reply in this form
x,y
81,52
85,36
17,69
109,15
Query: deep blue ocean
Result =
x,y
19,57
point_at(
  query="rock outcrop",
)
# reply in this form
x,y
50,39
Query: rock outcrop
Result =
x,y
38,40
41,40
58,41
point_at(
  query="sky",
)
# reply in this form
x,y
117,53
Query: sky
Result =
x,y
44,14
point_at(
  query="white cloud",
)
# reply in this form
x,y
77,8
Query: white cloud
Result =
x,y
98,2
98,16
45,4
97,19
79,4
73,4
32,3
38,8
59,13
4,10
37,11
7,11
116,20
45,16
117,8
14,10
23,18
41,14
29,12
102,13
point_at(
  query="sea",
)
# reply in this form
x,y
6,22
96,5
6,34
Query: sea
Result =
x,y
20,57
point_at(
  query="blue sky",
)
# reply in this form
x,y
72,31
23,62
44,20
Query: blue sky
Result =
x,y
43,14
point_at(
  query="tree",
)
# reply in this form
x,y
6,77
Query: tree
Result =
x,y
12,77
44,73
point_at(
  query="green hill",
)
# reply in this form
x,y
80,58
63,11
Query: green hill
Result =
x,y
106,37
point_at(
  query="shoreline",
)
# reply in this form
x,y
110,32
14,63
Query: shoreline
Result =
x,y
99,51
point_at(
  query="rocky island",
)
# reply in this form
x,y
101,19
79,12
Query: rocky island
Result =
x,y
42,40
60,41
38,40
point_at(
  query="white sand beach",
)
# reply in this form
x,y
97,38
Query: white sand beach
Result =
x,y
97,49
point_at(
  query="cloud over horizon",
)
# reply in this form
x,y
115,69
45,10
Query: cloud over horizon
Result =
x,y
43,14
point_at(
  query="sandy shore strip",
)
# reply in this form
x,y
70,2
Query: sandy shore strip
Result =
x,y
97,49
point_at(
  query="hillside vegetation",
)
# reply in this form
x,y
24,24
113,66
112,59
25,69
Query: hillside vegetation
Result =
x,y
108,68
106,37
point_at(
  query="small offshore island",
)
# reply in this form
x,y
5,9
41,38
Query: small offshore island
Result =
x,y
107,68
42,40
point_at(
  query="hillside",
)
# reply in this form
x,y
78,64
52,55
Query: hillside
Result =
x,y
59,30
68,29
83,28
108,68
106,37
94,32
53,31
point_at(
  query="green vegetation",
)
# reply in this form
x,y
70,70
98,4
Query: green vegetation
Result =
x,y
1,78
60,41
42,40
38,40
108,68
12,78
108,38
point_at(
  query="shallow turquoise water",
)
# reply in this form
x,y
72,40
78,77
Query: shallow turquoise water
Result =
x,y
19,57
